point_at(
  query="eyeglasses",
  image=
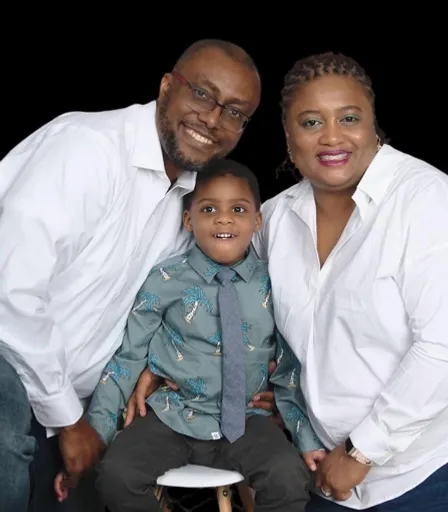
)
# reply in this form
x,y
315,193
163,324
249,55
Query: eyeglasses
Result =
x,y
200,101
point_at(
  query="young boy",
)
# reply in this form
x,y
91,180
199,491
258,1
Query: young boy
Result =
x,y
214,338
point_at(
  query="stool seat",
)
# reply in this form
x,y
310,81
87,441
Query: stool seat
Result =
x,y
198,477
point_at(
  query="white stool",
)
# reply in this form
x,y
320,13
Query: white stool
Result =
x,y
200,477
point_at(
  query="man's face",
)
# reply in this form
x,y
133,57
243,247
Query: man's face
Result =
x,y
192,136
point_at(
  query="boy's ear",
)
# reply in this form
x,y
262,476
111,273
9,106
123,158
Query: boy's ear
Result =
x,y
187,221
258,222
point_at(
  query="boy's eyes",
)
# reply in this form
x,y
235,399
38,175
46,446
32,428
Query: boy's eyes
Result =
x,y
212,209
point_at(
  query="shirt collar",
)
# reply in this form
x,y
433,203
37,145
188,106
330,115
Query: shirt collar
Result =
x,y
371,189
147,152
379,175
208,268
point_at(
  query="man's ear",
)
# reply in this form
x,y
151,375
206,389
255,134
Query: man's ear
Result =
x,y
165,84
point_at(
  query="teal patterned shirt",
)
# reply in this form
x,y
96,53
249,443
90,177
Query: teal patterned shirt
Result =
x,y
174,327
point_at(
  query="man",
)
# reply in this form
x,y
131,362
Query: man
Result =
x,y
89,203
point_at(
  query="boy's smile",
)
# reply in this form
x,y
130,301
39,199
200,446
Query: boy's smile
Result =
x,y
223,218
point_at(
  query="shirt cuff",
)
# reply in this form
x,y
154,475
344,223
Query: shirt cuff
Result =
x,y
310,445
372,442
105,429
59,410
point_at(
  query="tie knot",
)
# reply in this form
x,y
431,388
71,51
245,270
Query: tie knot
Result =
x,y
225,275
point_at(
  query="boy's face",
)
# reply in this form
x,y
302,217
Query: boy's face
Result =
x,y
223,218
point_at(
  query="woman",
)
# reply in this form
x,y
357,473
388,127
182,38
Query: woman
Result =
x,y
358,255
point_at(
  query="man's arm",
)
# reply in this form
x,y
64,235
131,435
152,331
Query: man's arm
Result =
x,y
123,370
289,398
55,197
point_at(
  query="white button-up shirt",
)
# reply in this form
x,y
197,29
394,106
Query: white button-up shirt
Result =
x,y
371,326
86,211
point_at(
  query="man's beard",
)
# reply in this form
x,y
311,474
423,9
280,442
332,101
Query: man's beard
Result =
x,y
170,145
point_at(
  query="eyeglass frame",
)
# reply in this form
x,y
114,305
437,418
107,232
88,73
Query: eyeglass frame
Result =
x,y
212,100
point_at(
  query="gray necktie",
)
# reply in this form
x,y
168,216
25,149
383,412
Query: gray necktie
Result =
x,y
233,402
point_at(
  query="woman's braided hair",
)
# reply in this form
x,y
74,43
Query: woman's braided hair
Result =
x,y
314,66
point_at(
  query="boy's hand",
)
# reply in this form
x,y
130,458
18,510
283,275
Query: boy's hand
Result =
x,y
60,487
313,458
146,385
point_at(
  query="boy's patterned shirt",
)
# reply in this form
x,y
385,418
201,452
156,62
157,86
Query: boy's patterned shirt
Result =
x,y
174,328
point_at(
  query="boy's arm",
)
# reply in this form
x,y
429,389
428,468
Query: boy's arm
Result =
x,y
289,398
122,372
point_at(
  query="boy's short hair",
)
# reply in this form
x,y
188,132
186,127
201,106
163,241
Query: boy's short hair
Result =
x,y
224,167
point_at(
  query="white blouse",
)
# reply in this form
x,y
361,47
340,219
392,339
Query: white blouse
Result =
x,y
371,327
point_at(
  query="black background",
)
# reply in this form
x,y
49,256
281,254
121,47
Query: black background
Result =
x,y
95,66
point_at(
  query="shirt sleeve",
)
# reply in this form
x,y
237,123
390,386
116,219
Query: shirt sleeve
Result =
x,y
122,372
52,199
418,391
290,400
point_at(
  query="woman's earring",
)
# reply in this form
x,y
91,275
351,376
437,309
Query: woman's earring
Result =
x,y
289,153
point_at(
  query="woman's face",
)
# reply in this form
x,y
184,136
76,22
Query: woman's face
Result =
x,y
330,131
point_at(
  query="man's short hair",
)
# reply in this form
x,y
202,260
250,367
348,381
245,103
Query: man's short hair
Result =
x,y
231,49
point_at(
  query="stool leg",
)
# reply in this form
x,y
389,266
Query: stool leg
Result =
x,y
158,493
224,498
247,498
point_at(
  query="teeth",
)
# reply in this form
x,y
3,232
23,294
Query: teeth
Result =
x,y
198,137
341,156
223,235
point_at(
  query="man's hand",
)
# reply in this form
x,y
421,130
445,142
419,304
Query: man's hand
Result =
x,y
266,400
80,447
146,385
338,473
